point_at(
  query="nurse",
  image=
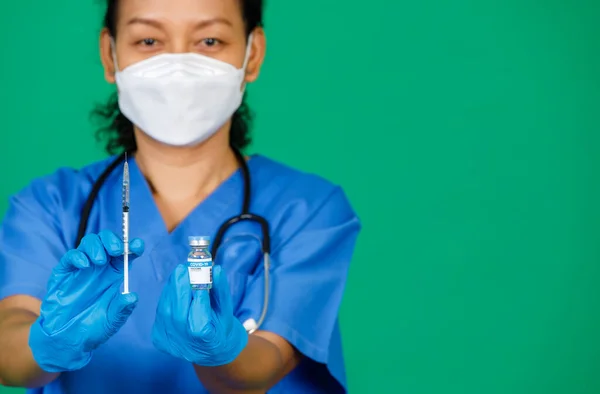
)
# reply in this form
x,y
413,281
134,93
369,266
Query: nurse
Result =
x,y
180,67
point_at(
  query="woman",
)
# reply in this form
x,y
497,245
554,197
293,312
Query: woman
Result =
x,y
180,67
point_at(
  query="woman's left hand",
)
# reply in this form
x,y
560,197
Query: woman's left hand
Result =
x,y
198,325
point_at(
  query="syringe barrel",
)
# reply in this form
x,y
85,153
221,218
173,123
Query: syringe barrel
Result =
x,y
126,194
126,225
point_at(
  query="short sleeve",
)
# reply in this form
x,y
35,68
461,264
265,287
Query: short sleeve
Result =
x,y
30,241
307,279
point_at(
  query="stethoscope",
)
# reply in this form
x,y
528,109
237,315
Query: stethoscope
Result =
x,y
251,325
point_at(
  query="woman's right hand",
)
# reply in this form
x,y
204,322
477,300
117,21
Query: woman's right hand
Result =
x,y
84,305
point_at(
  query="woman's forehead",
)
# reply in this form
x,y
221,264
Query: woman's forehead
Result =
x,y
180,10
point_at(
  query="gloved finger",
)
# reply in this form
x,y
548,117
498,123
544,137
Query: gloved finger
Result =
x,y
119,309
136,248
200,318
181,295
221,294
92,246
71,261
114,245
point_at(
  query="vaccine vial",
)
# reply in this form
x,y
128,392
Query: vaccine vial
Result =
x,y
200,263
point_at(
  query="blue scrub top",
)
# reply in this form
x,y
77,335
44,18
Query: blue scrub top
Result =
x,y
313,231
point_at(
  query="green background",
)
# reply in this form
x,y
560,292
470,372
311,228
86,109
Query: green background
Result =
x,y
465,134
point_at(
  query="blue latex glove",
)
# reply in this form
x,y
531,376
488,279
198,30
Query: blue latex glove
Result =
x,y
198,325
84,306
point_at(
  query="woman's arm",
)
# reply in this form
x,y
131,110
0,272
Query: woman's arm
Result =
x,y
266,359
17,366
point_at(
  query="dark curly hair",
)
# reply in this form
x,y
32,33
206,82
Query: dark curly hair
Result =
x,y
117,131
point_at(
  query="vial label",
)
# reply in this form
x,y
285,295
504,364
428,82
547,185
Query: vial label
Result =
x,y
200,271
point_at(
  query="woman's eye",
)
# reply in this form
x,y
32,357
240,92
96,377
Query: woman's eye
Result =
x,y
210,42
148,42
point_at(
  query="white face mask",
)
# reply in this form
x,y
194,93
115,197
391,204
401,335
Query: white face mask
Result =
x,y
180,99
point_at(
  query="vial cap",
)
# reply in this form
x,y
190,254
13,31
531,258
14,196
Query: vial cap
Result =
x,y
199,240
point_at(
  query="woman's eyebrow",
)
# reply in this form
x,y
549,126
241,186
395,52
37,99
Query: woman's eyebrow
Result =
x,y
199,25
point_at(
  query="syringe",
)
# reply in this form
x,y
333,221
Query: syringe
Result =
x,y
126,226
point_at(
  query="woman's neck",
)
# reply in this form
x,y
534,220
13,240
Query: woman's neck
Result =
x,y
185,175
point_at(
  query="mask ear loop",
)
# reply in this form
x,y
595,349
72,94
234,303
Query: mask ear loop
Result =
x,y
113,49
248,50
246,59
